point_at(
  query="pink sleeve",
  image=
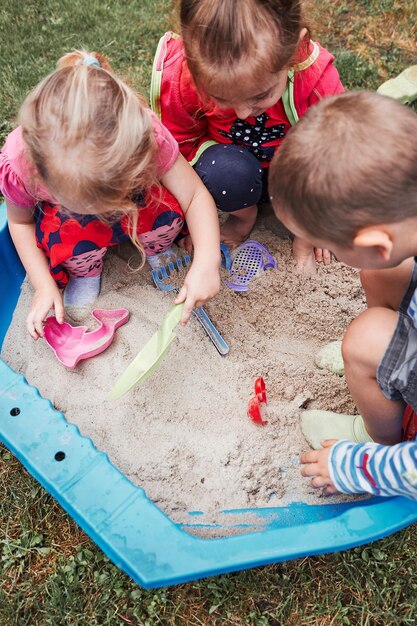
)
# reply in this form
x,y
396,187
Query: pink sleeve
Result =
x,y
167,147
14,171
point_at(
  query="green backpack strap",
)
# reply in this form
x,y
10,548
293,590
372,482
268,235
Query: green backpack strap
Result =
x,y
288,95
157,69
288,100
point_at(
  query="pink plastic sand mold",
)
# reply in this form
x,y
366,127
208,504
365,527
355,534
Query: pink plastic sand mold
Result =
x,y
71,344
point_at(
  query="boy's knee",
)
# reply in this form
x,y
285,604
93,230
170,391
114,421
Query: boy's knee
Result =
x,y
368,336
351,343
232,175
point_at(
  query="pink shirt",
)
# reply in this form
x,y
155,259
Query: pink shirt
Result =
x,y
17,181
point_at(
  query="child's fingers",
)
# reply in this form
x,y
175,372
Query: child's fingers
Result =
x,y
35,321
309,457
31,327
34,324
311,469
327,443
330,490
39,328
182,294
188,309
327,256
318,253
39,320
59,310
319,482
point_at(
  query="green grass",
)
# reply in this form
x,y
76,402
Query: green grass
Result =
x,y
50,572
34,35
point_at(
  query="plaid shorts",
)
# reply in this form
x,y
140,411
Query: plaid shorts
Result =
x,y
397,372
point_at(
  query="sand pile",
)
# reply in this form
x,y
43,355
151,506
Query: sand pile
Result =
x,y
184,435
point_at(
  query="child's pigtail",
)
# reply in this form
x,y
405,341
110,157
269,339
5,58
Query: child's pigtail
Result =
x,y
83,57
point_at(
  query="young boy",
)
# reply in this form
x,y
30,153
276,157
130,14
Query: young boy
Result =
x,y
346,179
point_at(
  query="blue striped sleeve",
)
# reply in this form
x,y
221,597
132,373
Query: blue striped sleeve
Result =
x,y
374,468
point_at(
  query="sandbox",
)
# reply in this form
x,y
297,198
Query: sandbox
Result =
x,y
184,435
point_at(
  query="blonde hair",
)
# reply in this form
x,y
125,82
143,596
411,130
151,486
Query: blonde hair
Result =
x,y
351,162
230,41
90,138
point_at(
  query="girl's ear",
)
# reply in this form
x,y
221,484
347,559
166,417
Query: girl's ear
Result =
x,y
303,33
375,237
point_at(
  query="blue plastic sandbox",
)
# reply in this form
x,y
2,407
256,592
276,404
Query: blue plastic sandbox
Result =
x,y
134,533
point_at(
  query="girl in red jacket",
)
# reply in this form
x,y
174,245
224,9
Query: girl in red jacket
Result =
x,y
244,72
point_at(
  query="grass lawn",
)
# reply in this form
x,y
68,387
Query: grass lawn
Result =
x,y
50,572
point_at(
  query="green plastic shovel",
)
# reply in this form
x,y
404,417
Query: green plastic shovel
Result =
x,y
149,358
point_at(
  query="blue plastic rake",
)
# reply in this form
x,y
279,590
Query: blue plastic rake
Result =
x,y
163,277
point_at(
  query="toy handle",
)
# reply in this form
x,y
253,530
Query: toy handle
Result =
x,y
270,259
237,287
225,250
215,337
148,359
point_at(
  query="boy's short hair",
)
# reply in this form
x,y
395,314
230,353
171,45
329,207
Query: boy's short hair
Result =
x,y
351,162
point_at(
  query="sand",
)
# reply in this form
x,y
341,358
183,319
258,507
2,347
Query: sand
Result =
x,y
184,435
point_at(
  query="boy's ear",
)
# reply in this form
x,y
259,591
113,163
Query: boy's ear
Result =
x,y
374,237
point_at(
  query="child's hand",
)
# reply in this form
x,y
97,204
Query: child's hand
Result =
x,y
316,464
44,299
201,284
307,256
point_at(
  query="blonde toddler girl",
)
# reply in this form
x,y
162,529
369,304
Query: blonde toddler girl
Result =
x,y
89,167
